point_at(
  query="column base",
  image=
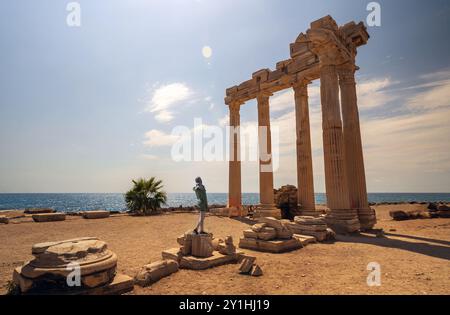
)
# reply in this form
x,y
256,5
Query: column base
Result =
x,y
343,221
367,218
269,210
229,212
309,212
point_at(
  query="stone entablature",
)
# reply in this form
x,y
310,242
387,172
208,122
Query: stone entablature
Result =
x,y
304,63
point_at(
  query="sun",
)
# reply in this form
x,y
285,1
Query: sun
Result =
x,y
206,51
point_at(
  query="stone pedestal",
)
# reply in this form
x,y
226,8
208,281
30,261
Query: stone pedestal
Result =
x,y
200,251
201,263
202,245
56,261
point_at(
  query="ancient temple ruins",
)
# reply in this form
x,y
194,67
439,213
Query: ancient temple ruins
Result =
x,y
326,52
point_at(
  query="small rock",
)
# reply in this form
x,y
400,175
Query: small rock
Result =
x,y
247,264
256,271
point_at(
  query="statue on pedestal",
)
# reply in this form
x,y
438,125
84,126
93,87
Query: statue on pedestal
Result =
x,y
200,192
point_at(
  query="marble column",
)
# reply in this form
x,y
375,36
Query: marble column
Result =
x,y
234,179
341,218
305,181
266,195
265,151
333,141
353,146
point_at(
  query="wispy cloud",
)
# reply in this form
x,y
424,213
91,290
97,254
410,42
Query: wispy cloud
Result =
x,y
434,93
373,93
413,143
165,97
158,138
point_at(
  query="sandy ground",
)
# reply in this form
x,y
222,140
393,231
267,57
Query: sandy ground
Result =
x,y
414,256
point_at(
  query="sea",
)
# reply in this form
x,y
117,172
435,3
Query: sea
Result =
x,y
73,202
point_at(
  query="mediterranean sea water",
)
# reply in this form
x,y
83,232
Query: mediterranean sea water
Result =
x,y
115,201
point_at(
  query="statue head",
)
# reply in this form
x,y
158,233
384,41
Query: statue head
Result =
x,y
198,180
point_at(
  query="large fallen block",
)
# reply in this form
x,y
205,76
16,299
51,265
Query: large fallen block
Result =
x,y
155,271
49,217
273,246
96,214
281,230
271,222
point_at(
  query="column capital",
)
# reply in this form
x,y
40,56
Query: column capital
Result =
x,y
301,83
235,106
263,96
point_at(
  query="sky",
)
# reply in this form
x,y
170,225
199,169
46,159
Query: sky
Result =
x,y
89,108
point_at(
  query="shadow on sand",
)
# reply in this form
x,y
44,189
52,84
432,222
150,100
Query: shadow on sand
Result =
x,y
428,249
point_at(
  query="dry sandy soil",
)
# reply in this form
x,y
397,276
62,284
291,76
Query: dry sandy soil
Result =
x,y
414,256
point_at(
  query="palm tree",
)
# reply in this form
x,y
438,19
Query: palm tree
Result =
x,y
146,196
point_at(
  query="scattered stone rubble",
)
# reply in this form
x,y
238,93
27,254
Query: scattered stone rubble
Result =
x,y
286,199
4,219
272,235
435,210
55,262
196,251
442,211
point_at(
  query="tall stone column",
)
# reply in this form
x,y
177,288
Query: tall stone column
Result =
x,y
353,147
266,195
234,178
305,181
342,218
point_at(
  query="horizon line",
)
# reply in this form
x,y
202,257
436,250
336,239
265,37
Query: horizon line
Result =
x,y
215,192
